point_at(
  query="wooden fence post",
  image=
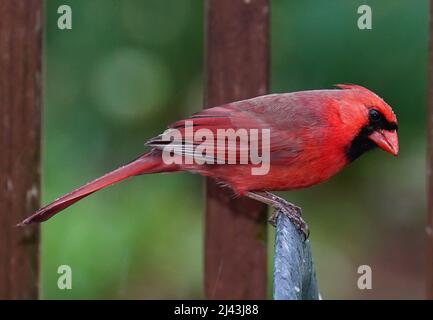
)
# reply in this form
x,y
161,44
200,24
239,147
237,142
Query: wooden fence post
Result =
x,y
429,227
21,25
237,67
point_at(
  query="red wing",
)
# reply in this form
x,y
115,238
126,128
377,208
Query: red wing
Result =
x,y
242,117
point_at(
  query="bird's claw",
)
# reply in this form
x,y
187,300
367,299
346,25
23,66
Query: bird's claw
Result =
x,y
282,206
294,214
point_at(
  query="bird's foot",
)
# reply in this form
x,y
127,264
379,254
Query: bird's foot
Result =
x,y
282,206
293,213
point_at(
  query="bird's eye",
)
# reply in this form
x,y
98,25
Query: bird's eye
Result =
x,y
374,115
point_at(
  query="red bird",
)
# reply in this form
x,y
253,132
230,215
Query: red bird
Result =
x,y
313,135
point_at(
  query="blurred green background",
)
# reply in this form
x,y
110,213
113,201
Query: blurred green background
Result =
x,y
128,68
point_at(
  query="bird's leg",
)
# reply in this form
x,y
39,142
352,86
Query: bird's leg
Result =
x,y
281,206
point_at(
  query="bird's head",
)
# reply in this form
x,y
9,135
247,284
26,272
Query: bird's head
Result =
x,y
374,122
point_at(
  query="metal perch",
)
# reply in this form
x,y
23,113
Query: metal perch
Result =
x,y
294,272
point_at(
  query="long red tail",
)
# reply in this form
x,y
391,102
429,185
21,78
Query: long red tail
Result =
x,y
147,163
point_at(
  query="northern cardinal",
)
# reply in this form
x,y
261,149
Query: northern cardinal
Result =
x,y
313,135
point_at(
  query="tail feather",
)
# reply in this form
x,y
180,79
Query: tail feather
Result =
x,y
148,163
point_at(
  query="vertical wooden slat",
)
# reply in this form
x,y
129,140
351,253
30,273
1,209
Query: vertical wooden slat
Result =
x,y
237,67
429,228
20,118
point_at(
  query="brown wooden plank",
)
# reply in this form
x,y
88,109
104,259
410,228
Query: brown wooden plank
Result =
x,y
20,118
429,227
237,67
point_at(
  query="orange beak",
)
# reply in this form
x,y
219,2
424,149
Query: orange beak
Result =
x,y
386,140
